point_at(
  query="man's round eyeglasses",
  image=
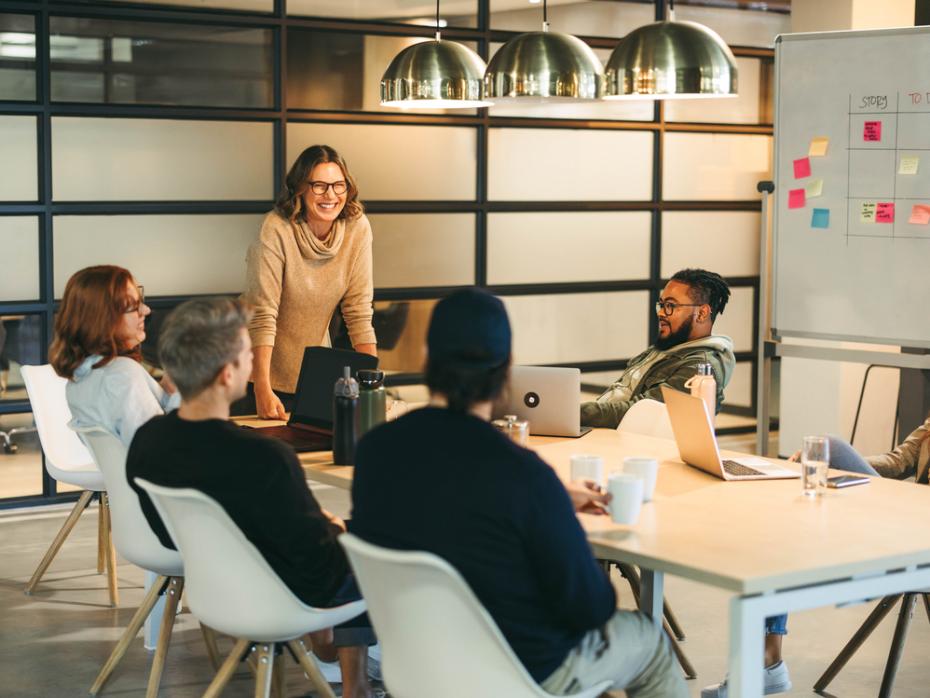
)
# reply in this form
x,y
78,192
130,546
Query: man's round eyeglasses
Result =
x,y
668,308
320,188
136,307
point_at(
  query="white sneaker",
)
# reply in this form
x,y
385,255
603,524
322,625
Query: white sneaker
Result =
x,y
330,670
333,674
374,662
775,680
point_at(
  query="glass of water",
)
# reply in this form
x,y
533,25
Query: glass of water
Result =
x,y
815,461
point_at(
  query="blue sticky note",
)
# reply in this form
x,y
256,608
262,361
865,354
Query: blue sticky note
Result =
x,y
820,218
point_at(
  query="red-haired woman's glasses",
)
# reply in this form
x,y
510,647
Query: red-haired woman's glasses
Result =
x,y
137,305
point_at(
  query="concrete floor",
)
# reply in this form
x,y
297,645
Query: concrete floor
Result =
x,y
53,644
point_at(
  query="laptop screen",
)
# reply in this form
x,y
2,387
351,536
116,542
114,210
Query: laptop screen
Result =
x,y
319,371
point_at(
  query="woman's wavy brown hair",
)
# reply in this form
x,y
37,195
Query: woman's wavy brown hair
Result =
x,y
290,203
88,320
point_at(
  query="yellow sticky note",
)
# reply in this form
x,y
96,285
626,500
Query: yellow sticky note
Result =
x,y
867,212
909,165
815,188
818,147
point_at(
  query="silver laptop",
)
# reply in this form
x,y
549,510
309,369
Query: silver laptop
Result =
x,y
548,398
697,444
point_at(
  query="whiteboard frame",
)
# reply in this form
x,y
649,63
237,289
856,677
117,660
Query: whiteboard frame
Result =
x,y
767,327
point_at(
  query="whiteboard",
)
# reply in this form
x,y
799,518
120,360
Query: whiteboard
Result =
x,y
863,277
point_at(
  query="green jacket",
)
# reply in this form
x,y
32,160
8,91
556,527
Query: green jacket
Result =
x,y
672,367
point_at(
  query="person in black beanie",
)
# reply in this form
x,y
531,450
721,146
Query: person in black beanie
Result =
x,y
443,480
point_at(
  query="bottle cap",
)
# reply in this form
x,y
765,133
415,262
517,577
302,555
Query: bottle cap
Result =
x,y
705,370
370,379
347,385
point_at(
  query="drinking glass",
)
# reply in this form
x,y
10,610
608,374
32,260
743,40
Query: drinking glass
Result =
x,y
815,461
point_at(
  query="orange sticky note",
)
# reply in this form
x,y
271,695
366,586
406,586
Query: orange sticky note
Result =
x,y
796,198
872,131
884,213
802,168
818,147
920,215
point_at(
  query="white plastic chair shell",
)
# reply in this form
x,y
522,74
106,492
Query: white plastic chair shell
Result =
x,y
132,535
436,637
66,458
229,585
649,418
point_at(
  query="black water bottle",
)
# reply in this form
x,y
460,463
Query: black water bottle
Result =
x,y
345,418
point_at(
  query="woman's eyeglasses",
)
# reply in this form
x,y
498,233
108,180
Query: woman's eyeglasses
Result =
x,y
320,188
137,306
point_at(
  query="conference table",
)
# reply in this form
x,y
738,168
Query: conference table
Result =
x,y
764,542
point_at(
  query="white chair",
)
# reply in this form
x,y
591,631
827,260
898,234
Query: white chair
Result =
x,y
136,542
436,637
647,417
233,589
68,461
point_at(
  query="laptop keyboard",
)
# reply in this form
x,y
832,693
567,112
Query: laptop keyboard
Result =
x,y
738,469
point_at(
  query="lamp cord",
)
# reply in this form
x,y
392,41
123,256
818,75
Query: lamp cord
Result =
x,y
437,20
545,16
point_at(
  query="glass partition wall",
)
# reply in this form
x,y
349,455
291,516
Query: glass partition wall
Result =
x,y
154,135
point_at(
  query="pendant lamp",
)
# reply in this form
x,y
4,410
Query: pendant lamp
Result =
x,y
671,60
434,75
544,66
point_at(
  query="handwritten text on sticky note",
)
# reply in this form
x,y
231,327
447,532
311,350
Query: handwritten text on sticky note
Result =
x,y
796,198
820,218
909,165
818,147
884,213
867,212
872,131
920,215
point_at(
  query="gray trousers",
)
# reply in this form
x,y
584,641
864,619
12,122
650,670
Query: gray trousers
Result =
x,y
629,650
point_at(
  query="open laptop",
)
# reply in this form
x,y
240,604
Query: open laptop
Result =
x,y
548,398
697,444
310,427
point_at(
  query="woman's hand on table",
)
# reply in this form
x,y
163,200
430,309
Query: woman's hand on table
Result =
x,y
588,497
795,457
268,405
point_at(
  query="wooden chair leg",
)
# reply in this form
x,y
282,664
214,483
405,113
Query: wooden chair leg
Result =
x,y
265,660
855,642
279,677
228,668
213,650
926,598
101,536
148,603
53,549
897,645
312,671
175,587
109,551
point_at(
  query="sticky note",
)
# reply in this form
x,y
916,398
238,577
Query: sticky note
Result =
x,y
796,198
909,165
802,168
872,131
884,213
920,215
818,147
815,188
867,212
820,218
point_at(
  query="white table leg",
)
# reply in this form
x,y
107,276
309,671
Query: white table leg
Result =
x,y
746,650
652,594
153,623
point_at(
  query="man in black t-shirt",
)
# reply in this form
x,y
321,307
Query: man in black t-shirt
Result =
x,y
206,351
443,480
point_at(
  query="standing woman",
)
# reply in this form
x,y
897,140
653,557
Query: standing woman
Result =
x,y
99,331
313,254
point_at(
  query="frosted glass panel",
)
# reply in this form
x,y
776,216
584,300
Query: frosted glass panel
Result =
x,y
742,109
425,249
738,27
561,247
715,166
591,18
736,320
418,163
738,392
17,57
18,153
641,110
455,13
569,165
578,327
19,252
160,159
170,254
726,242
242,5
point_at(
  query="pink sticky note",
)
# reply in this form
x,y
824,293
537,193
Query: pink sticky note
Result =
x,y
920,215
796,198
802,168
872,131
884,213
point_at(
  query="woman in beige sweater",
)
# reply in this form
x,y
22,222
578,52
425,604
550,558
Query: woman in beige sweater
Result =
x,y
313,254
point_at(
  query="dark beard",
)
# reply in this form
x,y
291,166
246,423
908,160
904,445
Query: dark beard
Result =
x,y
675,338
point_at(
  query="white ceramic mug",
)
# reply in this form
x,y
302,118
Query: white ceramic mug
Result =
x,y
626,497
587,467
646,468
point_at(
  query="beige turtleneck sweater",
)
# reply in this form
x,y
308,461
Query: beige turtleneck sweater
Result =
x,y
295,281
